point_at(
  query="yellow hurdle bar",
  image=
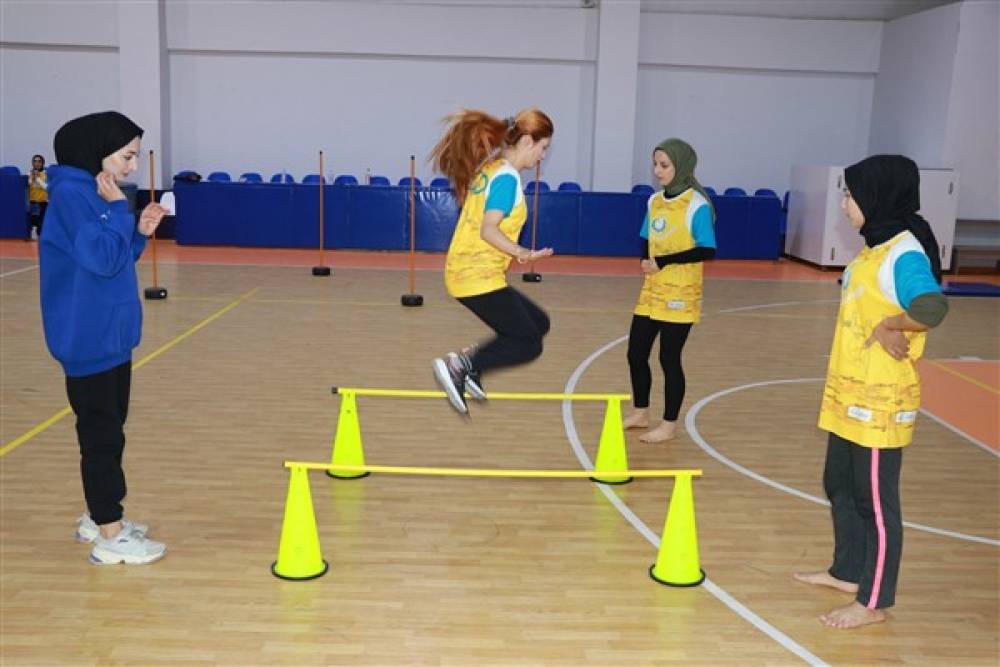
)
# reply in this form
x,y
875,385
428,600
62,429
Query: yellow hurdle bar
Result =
x,y
493,395
474,472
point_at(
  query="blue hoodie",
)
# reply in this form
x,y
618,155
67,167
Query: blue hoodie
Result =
x,y
89,291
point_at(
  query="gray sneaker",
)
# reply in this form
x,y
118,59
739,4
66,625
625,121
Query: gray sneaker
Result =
x,y
473,380
452,380
87,531
129,547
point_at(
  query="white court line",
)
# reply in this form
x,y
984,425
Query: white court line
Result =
x,y
16,271
692,430
777,304
644,530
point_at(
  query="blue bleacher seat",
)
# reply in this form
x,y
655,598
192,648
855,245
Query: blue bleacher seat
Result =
x,y
442,183
282,178
251,177
313,179
569,186
10,170
379,180
711,191
405,181
219,177
345,179
529,189
764,192
642,189
735,192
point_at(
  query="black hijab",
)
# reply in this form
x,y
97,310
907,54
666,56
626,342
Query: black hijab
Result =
x,y
84,142
887,190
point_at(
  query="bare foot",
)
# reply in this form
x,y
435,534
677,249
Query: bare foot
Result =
x,y
636,419
826,579
665,431
853,615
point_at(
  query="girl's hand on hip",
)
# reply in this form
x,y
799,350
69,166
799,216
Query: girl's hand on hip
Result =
x,y
893,341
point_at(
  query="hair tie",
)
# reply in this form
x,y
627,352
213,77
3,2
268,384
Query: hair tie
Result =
x,y
511,122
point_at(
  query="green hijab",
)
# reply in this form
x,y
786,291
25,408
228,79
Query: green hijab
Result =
x,y
685,160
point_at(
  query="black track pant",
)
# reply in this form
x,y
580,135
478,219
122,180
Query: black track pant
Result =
x,y
862,484
519,324
640,343
100,403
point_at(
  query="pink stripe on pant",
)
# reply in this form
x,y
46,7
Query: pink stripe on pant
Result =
x,y
880,529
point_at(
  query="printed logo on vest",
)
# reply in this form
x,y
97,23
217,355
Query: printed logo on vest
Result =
x,y
861,414
675,304
659,224
479,184
906,417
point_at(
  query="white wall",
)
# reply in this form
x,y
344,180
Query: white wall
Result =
x,y
913,88
268,113
755,96
41,88
53,70
971,142
368,83
263,85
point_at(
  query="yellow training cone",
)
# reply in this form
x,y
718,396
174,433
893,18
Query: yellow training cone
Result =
x,y
677,561
347,449
299,556
611,449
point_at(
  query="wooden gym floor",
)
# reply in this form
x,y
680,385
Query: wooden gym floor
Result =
x,y
233,377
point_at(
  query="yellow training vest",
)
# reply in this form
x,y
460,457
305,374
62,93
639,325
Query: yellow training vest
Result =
x,y
870,398
673,294
473,266
36,193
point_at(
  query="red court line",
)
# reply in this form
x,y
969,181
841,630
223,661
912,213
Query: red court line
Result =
x,y
965,394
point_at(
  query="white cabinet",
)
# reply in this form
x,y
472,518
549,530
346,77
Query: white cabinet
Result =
x,y
819,233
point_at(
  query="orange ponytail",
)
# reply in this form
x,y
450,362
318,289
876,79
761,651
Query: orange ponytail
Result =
x,y
473,137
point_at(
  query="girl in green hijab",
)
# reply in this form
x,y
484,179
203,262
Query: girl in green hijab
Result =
x,y
680,236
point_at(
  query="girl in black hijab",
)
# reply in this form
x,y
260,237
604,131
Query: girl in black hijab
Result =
x,y
92,315
890,298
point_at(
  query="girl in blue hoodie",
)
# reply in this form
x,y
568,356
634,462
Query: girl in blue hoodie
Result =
x,y
92,315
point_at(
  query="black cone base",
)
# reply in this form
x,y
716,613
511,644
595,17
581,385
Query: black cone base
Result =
x,y
531,277
412,300
321,270
155,293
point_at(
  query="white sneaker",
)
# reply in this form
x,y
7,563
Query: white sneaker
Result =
x,y
127,547
87,531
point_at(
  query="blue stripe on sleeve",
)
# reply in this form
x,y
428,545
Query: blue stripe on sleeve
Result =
x,y
503,191
702,228
644,232
913,277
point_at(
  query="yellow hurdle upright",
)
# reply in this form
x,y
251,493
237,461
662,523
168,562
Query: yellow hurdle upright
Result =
x,y
348,452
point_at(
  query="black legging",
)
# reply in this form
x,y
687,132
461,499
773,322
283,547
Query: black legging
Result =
x,y
673,335
519,324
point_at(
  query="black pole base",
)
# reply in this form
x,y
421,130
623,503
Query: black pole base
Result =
x,y
321,270
531,277
155,293
412,300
